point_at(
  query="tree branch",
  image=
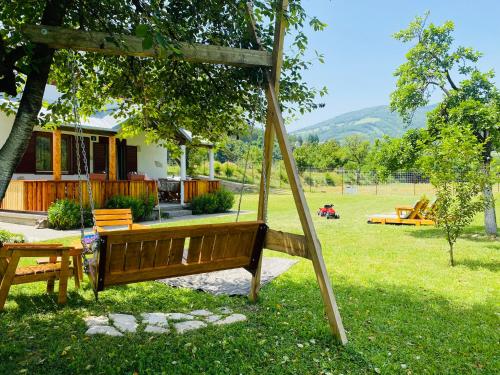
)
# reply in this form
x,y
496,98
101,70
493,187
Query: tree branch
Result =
x,y
452,84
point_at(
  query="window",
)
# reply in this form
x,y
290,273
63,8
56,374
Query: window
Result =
x,y
65,154
43,153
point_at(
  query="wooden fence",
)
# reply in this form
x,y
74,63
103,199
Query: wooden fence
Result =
x,y
193,188
36,196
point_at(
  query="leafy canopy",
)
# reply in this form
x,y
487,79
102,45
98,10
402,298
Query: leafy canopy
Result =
x,y
159,96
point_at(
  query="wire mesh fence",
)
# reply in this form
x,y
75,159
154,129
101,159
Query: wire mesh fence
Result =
x,y
346,182
340,181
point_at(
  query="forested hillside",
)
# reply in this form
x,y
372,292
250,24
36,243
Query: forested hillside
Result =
x,y
371,123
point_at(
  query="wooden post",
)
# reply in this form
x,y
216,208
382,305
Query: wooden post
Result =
x,y
112,159
211,163
265,180
183,172
313,243
56,154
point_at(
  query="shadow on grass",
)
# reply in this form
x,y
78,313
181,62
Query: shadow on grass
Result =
x,y
471,233
475,264
387,326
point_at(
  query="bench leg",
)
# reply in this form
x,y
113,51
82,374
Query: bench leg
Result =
x,y
76,271
7,279
63,279
50,286
255,286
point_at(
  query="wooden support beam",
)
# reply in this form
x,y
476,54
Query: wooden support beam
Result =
x,y
112,173
289,243
56,154
265,180
126,45
313,244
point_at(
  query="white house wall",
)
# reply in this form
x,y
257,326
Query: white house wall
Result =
x,y
151,158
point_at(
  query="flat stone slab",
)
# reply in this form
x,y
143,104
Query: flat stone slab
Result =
x,y
179,316
158,322
103,330
231,282
189,325
91,321
213,318
234,318
156,319
201,313
124,322
225,310
156,329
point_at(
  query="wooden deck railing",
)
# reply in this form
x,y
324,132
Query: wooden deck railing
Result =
x,y
24,195
193,188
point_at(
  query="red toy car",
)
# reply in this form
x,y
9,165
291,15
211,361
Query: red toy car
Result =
x,y
328,211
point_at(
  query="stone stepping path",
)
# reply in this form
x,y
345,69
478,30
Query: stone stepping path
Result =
x,y
159,322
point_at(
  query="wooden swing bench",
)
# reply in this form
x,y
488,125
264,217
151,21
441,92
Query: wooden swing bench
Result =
x,y
135,255
129,256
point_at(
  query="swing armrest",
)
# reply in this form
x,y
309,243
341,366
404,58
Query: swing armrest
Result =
x,y
32,252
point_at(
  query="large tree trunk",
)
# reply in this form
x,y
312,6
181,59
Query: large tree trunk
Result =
x,y
31,100
490,218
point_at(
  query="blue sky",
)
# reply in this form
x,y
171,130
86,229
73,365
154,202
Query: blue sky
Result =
x,y
361,54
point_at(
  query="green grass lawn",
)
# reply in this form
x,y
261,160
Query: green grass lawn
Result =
x,y
405,310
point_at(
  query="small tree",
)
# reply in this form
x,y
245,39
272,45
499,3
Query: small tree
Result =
x,y
453,163
356,151
435,63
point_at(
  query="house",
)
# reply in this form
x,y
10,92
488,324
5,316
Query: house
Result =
x,y
117,164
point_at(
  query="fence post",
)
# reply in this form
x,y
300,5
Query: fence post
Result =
x,y
310,180
342,182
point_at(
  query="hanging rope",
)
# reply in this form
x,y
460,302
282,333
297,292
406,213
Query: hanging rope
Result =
x,y
247,157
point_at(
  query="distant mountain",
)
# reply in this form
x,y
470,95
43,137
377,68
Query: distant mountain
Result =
x,y
372,123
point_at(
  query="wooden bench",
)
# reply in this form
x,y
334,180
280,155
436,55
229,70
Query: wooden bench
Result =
x,y
114,217
11,274
135,255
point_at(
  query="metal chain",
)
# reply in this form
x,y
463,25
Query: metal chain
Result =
x,y
81,153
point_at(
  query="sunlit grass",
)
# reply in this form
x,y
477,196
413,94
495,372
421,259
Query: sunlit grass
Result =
x,y
404,308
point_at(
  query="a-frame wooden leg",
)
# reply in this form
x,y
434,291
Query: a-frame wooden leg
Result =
x,y
7,279
313,243
279,38
263,197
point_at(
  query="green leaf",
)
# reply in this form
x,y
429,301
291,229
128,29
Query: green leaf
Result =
x,y
141,30
147,42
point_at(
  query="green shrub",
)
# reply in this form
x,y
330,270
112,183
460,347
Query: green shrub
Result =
x,y
283,177
217,167
329,181
225,200
141,208
218,201
8,237
229,170
309,180
65,214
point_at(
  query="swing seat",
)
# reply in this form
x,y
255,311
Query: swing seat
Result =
x,y
130,256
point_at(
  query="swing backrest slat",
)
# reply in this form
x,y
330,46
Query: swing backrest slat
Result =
x,y
128,256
